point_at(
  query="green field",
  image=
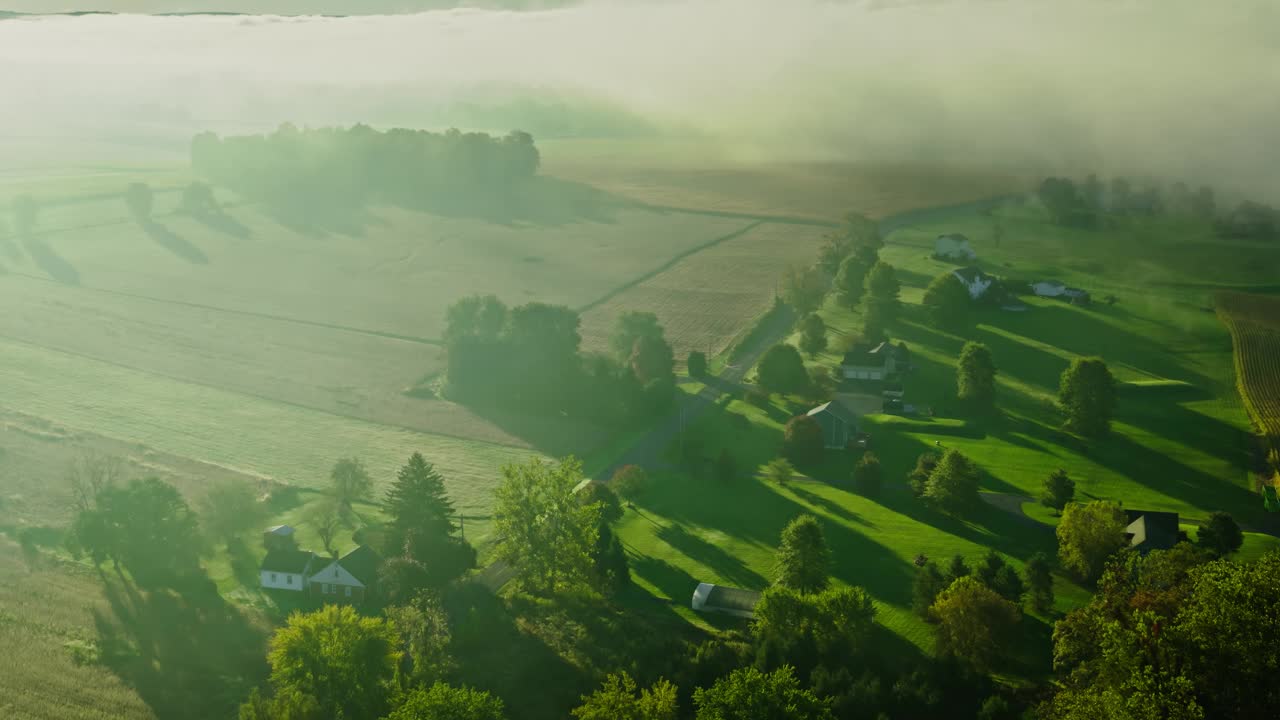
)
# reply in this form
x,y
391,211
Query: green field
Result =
x,y
1180,440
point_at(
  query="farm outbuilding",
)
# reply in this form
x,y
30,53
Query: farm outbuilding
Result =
x,y
839,423
278,537
731,601
1148,530
953,246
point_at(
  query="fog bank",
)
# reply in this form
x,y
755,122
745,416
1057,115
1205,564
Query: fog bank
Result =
x,y
1176,87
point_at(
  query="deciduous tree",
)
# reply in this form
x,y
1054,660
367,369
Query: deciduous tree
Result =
x,y
976,376
1088,534
630,327
325,517
778,470
424,627
1059,490
928,583
919,477
781,370
953,484
804,560
697,364
749,693
850,282
803,288
445,702
1087,394
541,528
974,623
883,287
1040,582
947,302
1220,535
140,200
813,334
629,480
867,475
230,508
351,482
620,699
345,661
802,441
652,359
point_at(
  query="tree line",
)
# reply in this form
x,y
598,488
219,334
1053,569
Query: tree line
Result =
x,y
529,358
1090,202
345,167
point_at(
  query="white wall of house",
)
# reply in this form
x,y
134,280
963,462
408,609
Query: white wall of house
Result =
x,y
1049,289
978,287
862,373
335,574
284,581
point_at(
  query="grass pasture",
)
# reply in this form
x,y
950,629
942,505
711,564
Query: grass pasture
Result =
x,y
1180,440
243,434
707,299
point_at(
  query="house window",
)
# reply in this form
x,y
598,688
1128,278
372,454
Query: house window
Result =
x,y
348,591
273,577
288,579
324,588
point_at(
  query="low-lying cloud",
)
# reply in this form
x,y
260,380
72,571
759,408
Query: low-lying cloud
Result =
x,y
1181,88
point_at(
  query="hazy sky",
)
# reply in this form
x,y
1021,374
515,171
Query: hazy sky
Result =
x,y
1173,86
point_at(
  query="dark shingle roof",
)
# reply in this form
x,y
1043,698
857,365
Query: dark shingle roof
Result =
x,y
1150,530
362,563
836,409
969,274
287,561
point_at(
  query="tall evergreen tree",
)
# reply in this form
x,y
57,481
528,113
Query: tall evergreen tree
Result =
x,y
418,502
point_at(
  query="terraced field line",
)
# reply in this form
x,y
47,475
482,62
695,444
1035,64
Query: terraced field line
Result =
x,y
245,313
667,266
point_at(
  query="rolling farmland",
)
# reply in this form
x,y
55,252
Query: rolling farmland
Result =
x,y
705,300
1254,321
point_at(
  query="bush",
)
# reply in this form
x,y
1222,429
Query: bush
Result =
x,y
630,480
756,395
697,364
867,475
782,370
919,477
802,440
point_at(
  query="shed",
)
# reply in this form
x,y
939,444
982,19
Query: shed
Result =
x,y
1149,530
731,601
839,423
279,537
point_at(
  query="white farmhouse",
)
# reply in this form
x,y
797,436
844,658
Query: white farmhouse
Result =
x,y
287,569
953,246
974,280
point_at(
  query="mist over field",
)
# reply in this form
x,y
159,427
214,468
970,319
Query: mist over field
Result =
x,y
1176,88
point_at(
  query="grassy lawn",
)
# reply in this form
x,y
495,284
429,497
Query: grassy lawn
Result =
x,y
1180,439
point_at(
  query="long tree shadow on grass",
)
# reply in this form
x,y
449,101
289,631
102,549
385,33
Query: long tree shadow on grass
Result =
x,y
53,264
174,243
224,223
188,655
